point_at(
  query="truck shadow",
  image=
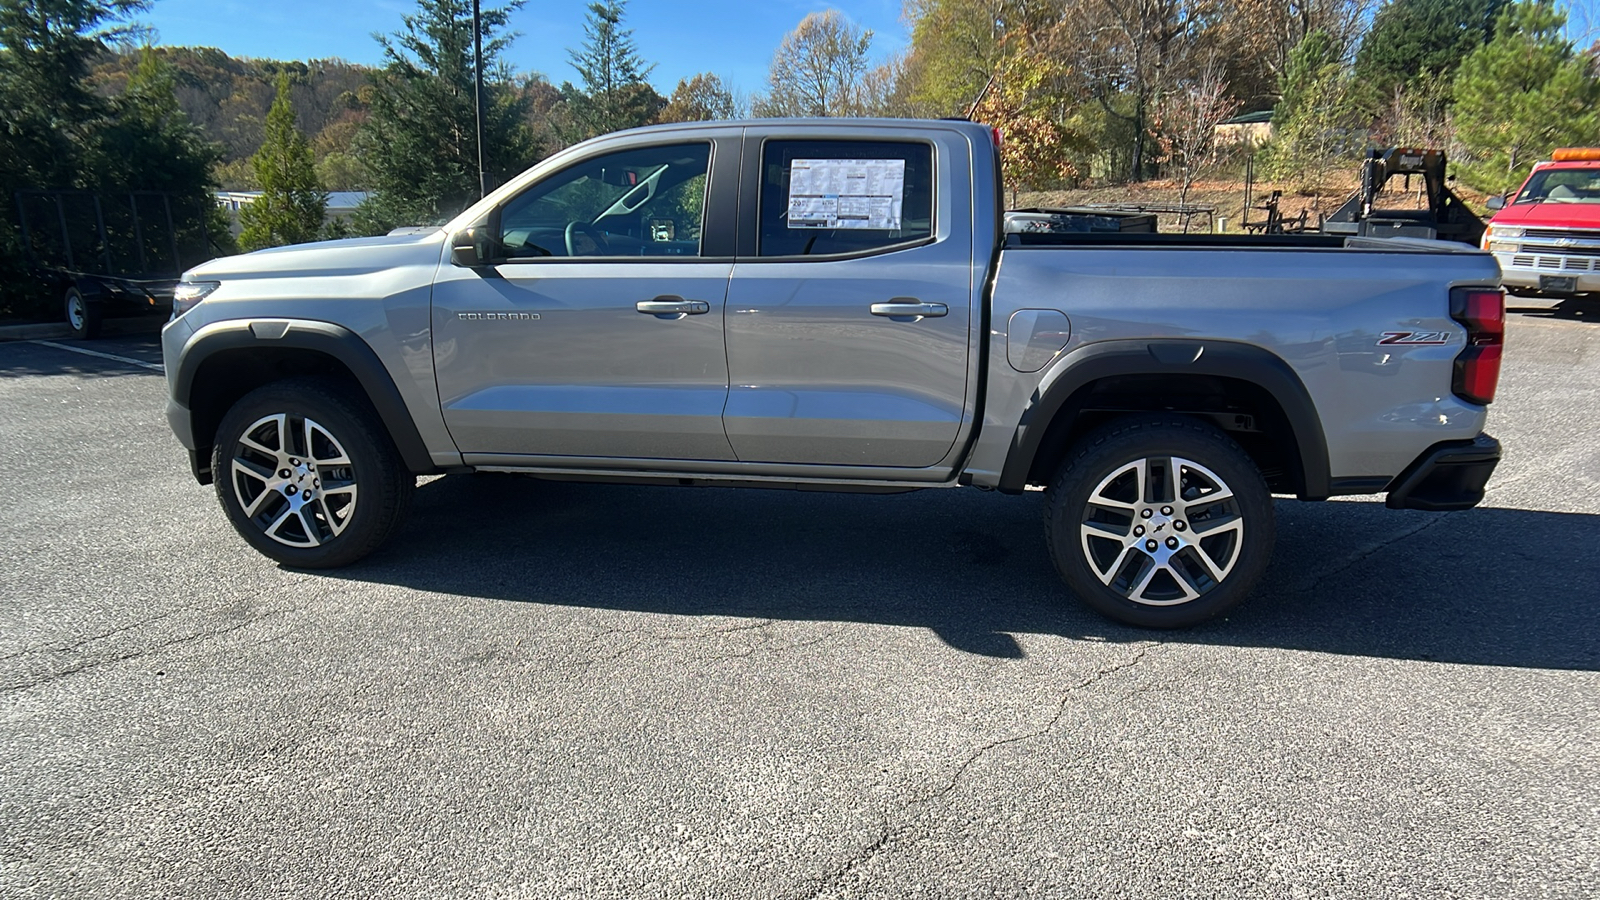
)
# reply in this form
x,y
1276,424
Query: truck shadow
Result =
x,y
1570,310
1490,586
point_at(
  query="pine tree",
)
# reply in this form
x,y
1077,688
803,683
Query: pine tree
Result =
x,y
1412,39
292,204
616,94
1521,95
419,142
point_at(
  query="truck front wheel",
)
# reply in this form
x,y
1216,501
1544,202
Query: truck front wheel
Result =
x,y
307,475
1159,521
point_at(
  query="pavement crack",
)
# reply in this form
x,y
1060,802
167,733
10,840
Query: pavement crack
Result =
x,y
1061,710
892,834
68,648
147,651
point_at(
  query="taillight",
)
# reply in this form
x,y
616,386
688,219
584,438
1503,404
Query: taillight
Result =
x,y
998,137
1477,370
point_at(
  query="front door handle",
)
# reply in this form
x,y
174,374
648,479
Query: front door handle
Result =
x,y
668,306
907,309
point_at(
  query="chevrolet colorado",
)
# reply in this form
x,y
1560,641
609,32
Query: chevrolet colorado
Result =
x,y
840,305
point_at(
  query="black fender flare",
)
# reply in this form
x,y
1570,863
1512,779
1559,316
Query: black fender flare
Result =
x,y
1226,359
335,341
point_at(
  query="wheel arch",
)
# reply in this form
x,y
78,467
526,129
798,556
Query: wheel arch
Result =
x,y
225,361
1220,380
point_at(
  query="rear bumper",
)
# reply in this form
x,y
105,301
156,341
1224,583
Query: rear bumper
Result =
x,y
1447,476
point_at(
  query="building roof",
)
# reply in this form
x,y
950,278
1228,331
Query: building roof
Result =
x,y
340,200
1252,118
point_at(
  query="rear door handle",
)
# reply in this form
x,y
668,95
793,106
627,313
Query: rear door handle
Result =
x,y
668,306
905,309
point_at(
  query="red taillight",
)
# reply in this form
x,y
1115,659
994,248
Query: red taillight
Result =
x,y
999,139
1477,371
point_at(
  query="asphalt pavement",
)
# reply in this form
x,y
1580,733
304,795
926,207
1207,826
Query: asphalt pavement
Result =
x,y
561,690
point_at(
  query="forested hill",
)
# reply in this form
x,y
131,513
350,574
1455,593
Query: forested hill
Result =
x,y
228,98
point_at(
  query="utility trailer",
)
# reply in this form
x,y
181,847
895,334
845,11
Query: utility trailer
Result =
x,y
107,255
1445,216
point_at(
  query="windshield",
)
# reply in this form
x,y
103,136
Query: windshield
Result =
x,y
1562,186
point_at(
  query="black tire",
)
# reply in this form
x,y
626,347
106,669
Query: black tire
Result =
x,y
83,317
336,449
1104,552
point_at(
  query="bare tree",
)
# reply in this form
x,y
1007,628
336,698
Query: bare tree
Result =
x,y
818,69
1187,120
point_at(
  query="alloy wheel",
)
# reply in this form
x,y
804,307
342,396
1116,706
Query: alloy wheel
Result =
x,y
1162,530
293,480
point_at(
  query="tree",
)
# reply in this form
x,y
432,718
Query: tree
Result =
x,y
1037,145
1420,38
955,48
1313,122
419,141
1132,52
616,93
1187,120
292,204
60,131
1522,94
818,69
699,99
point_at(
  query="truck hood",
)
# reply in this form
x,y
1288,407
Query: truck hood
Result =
x,y
1549,214
353,256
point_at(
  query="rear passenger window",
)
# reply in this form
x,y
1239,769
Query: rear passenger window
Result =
x,y
829,197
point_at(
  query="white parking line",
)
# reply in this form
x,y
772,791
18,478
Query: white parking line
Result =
x,y
157,367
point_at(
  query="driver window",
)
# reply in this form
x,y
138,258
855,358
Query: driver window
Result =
x,y
644,202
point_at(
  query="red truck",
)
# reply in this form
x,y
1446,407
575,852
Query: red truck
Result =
x,y
1546,235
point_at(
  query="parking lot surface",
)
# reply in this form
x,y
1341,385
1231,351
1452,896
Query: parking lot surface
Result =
x,y
545,690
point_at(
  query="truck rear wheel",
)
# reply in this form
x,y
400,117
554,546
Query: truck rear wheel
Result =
x,y
1159,521
307,476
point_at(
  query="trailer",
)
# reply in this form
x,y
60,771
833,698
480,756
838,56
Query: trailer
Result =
x,y
1441,215
111,254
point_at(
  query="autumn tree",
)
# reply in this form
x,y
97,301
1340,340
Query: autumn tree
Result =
x,y
1522,94
1037,146
1131,52
292,204
699,99
818,69
956,47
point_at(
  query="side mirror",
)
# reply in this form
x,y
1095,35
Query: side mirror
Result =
x,y
472,247
1498,201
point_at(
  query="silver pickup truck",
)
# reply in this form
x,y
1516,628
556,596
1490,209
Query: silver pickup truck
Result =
x,y
839,305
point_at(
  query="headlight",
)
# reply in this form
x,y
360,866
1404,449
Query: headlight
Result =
x,y
1498,247
189,293
1504,231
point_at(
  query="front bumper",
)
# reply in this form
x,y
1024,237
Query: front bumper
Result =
x,y
1446,476
1522,270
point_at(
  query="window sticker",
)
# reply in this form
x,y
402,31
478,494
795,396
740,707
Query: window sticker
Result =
x,y
846,193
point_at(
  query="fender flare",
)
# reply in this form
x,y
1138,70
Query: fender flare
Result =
x,y
1225,359
335,341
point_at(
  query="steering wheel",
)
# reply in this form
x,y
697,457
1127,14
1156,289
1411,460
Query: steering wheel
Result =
x,y
592,233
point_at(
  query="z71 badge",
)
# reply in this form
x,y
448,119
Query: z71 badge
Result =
x,y
1415,337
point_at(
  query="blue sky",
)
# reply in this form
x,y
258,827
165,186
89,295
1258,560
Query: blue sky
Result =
x,y
733,38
